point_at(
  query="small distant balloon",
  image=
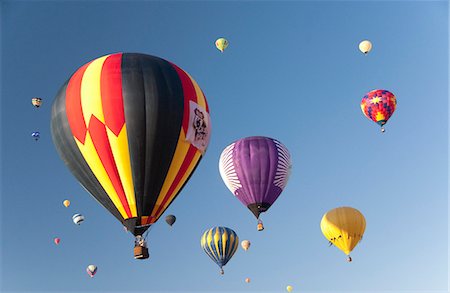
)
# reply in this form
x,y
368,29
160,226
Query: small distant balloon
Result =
x,y
56,240
247,280
91,270
245,244
78,219
221,44
289,288
36,135
37,102
66,203
365,46
170,219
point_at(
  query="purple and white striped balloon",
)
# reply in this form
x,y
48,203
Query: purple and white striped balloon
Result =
x,y
256,170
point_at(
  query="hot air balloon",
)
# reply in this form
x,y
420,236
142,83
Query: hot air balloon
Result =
x,y
378,106
131,128
36,135
66,203
78,219
365,46
170,219
220,243
245,244
56,240
344,228
221,44
256,170
37,102
247,280
91,270
289,288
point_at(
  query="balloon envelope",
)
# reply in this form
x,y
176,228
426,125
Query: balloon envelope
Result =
x,y
37,102
247,280
36,135
289,288
256,170
378,106
66,203
220,244
131,128
343,227
221,44
170,219
78,219
91,270
56,240
365,46
245,244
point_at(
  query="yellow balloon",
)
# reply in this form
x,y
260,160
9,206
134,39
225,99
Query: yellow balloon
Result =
x,y
343,227
289,288
365,46
221,44
66,203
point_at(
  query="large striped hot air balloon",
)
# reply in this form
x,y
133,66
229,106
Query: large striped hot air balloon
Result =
x,y
220,244
256,170
132,129
378,106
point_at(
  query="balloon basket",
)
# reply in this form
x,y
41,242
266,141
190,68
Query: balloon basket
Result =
x,y
141,252
260,227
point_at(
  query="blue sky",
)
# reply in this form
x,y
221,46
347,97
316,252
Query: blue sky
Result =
x,y
292,72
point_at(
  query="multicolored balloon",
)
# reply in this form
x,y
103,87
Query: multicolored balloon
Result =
x,y
344,228
256,170
131,128
36,135
220,244
221,44
91,270
378,106
37,102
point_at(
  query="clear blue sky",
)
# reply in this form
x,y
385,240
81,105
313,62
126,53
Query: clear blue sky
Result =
x,y
292,72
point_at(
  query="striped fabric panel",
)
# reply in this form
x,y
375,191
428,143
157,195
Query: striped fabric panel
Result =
x,y
284,165
186,156
227,169
98,129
